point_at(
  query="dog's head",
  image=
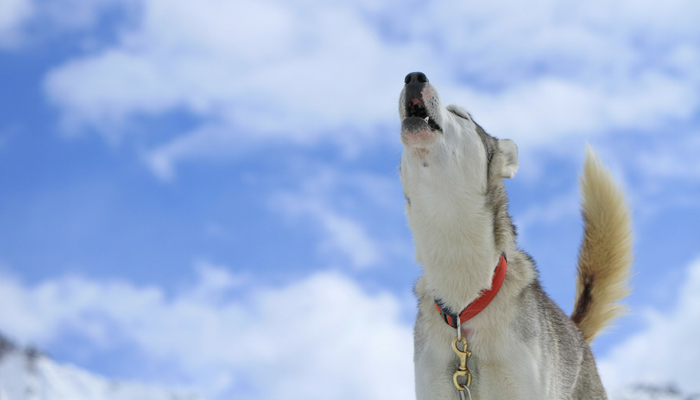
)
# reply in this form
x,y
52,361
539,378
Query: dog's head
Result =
x,y
445,151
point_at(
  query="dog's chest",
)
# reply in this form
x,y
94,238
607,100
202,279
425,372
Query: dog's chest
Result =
x,y
505,363
507,371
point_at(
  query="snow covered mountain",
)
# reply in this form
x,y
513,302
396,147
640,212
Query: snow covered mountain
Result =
x,y
652,392
26,374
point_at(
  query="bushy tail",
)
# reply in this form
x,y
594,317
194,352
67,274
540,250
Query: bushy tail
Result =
x,y
605,256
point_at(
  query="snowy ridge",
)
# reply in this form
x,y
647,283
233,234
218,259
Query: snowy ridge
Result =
x,y
653,392
26,374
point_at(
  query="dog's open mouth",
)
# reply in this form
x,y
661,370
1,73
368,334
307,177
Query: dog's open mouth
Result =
x,y
417,116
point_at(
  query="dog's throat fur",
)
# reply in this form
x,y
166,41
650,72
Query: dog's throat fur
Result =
x,y
480,303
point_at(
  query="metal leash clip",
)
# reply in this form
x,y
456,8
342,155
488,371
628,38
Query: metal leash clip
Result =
x,y
462,370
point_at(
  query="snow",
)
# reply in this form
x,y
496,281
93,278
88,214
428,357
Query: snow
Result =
x,y
26,374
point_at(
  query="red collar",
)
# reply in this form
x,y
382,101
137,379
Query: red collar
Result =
x,y
481,302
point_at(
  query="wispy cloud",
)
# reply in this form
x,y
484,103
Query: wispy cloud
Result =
x,y
13,13
321,337
666,350
338,203
288,71
342,233
551,212
675,157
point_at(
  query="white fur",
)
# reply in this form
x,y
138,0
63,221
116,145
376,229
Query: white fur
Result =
x,y
451,224
446,182
509,368
510,159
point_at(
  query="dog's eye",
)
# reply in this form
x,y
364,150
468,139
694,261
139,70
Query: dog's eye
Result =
x,y
459,115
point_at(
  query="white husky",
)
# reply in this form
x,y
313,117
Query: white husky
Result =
x,y
478,285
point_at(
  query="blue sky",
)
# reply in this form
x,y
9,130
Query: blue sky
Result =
x,y
186,183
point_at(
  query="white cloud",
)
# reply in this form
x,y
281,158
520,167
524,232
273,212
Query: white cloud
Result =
x,y
666,350
342,234
299,72
13,13
318,338
271,70
23,21
322,199
675,157
543,110
553,211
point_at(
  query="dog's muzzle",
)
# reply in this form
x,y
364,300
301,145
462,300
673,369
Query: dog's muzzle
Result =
x,y
418,126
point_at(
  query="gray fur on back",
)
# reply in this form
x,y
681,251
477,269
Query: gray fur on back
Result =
x,y
571,361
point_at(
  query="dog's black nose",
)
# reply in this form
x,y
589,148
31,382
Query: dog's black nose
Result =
x,y
416,77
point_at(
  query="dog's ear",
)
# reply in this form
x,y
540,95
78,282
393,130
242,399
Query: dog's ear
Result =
x,y
509,151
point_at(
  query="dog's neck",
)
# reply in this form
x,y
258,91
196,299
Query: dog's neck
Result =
x,y
455,243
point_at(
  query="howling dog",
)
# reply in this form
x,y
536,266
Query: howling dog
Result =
x,y
485,328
